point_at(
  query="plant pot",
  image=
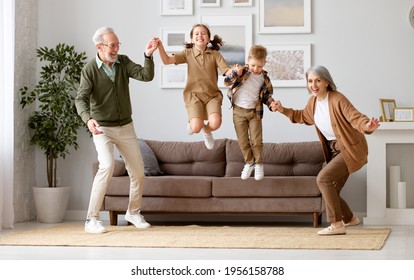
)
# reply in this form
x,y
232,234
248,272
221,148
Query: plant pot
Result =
x,y
51,203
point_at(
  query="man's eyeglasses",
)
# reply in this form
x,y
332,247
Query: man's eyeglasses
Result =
x,y
111,46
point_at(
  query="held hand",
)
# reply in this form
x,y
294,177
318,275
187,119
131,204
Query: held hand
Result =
x,y
93,126
238,68
277,106
373,125
151,46
273,106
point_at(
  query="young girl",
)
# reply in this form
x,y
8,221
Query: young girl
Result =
x,y
202,97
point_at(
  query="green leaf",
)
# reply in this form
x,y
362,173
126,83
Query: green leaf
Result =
x,y
56,122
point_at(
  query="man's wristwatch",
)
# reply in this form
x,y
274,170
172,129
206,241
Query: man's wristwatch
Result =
x,y
150,57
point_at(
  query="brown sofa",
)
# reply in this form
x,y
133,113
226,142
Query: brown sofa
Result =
x,y
189,179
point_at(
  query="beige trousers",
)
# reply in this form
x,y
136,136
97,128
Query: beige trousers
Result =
x,y
249,134
125,140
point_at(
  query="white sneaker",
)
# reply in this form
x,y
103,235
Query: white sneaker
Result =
x,y
137,220
247,171
258,171
94,226
209,140
189,131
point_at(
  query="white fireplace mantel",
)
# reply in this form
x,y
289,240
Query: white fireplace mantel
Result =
x,y
377,211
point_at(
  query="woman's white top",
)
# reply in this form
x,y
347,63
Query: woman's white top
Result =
x,y
323,118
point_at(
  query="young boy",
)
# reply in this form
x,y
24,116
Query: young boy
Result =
x,y
250,89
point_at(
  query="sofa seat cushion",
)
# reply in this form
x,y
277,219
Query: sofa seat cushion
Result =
x,y
274,186
190,158
280,159
221,206
164,186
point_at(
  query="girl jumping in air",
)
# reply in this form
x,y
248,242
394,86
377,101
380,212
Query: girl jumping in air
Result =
x,y
202,96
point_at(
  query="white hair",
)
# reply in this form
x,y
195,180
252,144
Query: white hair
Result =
x,y
324,74
97,37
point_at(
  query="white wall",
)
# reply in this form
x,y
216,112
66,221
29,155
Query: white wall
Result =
x,y
367,46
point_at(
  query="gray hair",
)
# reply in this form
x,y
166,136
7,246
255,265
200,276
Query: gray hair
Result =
x,y
97,37
324,74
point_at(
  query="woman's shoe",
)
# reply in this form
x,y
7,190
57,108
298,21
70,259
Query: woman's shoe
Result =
x,y
332,231
354,222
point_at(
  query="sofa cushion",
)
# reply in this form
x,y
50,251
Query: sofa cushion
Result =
x,y
232,206
280,159
273,186
190,158
119,169
151,167
164,186
178,186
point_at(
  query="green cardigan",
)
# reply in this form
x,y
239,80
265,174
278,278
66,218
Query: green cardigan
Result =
x,y
105,101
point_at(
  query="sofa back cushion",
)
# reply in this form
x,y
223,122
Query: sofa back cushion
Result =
x,y
190,158
151,167
280,159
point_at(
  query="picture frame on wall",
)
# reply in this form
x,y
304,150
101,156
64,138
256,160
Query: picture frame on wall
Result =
x,y
404,114
176,7
286,65
285,16
174,40
210,3
387,109
237,35
173,76
242,3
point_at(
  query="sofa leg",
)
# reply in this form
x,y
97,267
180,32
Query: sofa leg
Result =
x,y
113,218
317,219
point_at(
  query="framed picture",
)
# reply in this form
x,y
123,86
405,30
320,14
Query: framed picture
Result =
x,y
404,114
174,40
176,7
173,76
287,64
242,3
210,3
285,16
387,109
237,35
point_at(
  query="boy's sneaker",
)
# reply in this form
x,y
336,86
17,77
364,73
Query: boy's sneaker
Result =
x,y
247,171
258,171
94,226
189,131
209,140
137,220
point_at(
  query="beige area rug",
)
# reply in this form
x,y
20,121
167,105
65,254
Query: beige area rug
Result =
x,y
195,236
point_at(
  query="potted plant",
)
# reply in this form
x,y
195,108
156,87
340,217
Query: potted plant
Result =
x,y
55,122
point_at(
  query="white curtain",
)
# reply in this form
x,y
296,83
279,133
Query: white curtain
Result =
x,y
6,112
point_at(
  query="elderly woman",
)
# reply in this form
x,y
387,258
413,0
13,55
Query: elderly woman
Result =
x,y
340,128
